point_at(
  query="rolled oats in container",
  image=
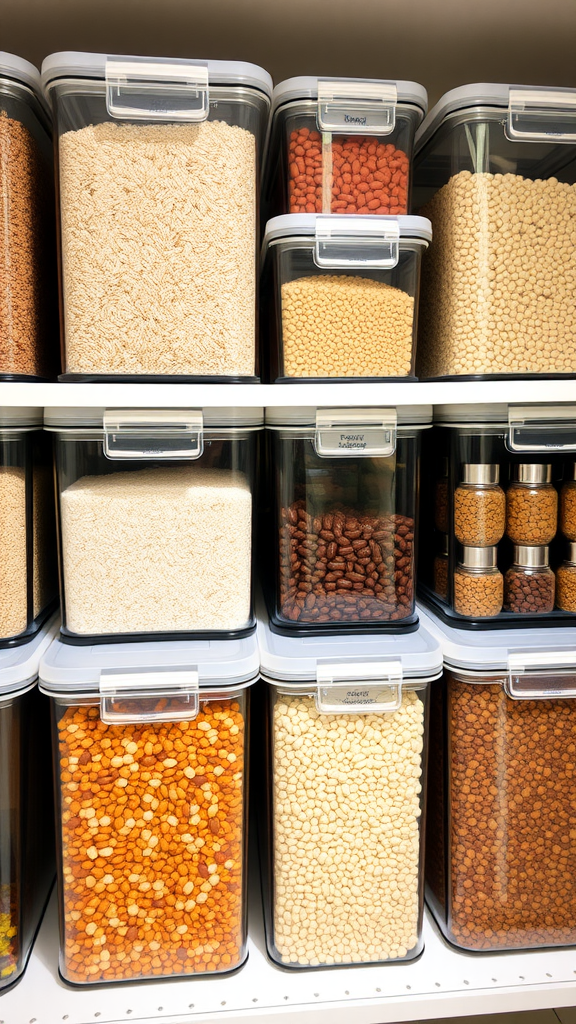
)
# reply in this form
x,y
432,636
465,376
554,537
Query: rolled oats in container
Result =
x,y
346,766
155,520
159,163
495,172
500,865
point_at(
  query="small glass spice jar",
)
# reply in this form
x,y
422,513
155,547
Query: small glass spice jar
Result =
x,y
568,505
531,505
479,506
566,581
441,568
441,499
529,583
478,583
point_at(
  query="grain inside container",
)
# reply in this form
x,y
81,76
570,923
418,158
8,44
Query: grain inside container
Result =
x,y
340,295
150,756
495,172
500,861
342,846
159,162
155,520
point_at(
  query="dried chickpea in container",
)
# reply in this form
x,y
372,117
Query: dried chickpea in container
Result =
x,y
152,843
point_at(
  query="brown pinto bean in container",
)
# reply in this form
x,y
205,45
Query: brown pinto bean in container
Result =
x,y
531,505
529,582
341,295
478,583
503,723
342,551
150,758
28,284
479,506
498,287
566,581
567,515
342,145
158,165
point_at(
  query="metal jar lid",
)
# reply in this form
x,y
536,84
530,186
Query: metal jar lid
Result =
x,y
533,473
479,558
571,552
571,474
480,473
530,556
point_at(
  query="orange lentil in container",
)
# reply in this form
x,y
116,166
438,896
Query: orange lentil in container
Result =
x,y
366,176
152,844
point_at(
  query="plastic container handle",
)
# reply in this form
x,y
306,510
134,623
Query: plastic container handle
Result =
x,y
361,687
542,675
544,428
149,695
357,108
350,433
156,89
356,242
542,115
153,434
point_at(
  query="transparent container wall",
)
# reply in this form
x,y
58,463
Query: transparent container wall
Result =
x,y
442,506
28,578
152,859
500,864
345,857
150,547
28,286
343,547
26,827
339,322
310,171
158,237
498,287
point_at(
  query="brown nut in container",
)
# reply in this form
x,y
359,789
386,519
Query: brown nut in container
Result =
x,y
567,514
478,583
441,569
566,581
529,583
479,506
531,505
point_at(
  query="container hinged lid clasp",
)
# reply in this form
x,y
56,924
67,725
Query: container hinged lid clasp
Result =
x,y
541,675
357,107
356,241
342,433
156,89
542,428
359,687
541,115
148,695
153,433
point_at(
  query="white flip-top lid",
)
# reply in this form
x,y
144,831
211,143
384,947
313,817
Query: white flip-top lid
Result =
x,y
19,665
497,650
20,417
79,418
68,669
306,87
484,94
76,64
20,70
307,416
293,225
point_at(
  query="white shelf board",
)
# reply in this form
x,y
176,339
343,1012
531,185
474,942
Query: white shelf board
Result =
x,y
442,983
267,395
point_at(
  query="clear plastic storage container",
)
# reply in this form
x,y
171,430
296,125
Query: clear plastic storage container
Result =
x,y
342,145
506,464
28,564
28,285
500,858
342,846
495,172
342,543
340,296
26,817
150,758
155,521
158,180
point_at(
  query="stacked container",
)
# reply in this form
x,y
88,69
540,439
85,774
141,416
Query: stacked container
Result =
x,y
342,847
344,483
500,863
493,474
26,818
341,260
155,521
150,754
495,172
158,172
28,314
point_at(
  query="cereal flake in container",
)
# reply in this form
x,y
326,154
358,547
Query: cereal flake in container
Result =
x,y
158,164
150,759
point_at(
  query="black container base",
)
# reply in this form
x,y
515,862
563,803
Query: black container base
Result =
x,y
505,620
151,378
500,376
75,640
25,378
25,638
407,625
345,380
